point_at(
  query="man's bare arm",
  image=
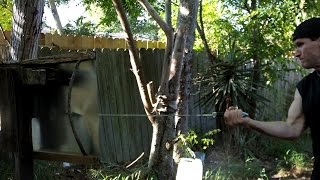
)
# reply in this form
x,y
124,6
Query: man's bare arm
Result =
x,y
289,129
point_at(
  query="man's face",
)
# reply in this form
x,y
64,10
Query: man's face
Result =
x,y
308,52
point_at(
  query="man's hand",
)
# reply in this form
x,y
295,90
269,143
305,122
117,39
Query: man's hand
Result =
x,y
234,116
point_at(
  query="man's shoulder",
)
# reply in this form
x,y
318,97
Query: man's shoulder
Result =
x,y
309,76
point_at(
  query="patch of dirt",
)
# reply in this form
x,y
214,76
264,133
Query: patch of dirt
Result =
x,y
218,158
79,172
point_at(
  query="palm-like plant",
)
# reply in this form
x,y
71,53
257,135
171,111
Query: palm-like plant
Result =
x,y
229,82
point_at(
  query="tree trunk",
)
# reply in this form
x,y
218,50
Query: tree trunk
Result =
x,y
26,27
55,15
181,122
164,134
161,152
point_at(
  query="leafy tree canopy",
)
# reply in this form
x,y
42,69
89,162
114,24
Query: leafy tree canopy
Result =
x,y
141,23
261,36
6,14
265,28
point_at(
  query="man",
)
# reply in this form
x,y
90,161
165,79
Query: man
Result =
x,y
305,109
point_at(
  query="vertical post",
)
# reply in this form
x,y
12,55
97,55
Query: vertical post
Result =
x,y
6,112
16,116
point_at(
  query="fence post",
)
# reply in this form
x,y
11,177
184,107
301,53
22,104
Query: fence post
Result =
x,y
16,115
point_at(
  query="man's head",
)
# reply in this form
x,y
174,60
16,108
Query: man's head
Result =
x,y
306,38
308,29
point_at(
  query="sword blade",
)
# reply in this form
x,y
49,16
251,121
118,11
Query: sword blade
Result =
x,y
213,114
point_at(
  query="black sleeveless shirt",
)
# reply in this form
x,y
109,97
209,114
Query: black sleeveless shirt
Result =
x,y
309,89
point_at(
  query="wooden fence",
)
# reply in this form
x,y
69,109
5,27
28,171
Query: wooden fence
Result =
x,y
78,42
123,138
126,137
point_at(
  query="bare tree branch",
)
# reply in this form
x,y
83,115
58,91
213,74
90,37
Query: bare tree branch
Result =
x,y
4,36
200,29
163,25
168,13
134,59
55,15
169,44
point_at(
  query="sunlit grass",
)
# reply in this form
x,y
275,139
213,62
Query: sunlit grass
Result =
x,y
121,173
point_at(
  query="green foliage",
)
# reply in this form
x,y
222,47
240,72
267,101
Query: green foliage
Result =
x,y
230,78
119,173
81,27
6,170
268,157
214,27
42,170
45,170
264,31
6,14
289,155
234,169
293,159
198,142
141,23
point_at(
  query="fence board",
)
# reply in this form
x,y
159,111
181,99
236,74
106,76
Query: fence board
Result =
x,y
114,77
131,129
79,42
122,95
107,144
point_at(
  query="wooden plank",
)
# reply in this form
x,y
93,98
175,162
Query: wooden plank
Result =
x,y
152,44
113,121
62,58
134,106
7,114
108,42
119,43
161,45
140,126
57,40
63,41
87,42
107,144
64,157
48,39
82,42
122,96
98,42
139,44
16,120
42,39
137,129
77,42
24,148
115,104
133,131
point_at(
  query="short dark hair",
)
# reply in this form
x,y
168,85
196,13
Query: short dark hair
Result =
x,y
308,29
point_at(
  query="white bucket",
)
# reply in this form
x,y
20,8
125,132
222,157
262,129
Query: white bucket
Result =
x,y
189,168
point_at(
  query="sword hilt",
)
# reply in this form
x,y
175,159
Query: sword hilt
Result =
x,y
221,114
